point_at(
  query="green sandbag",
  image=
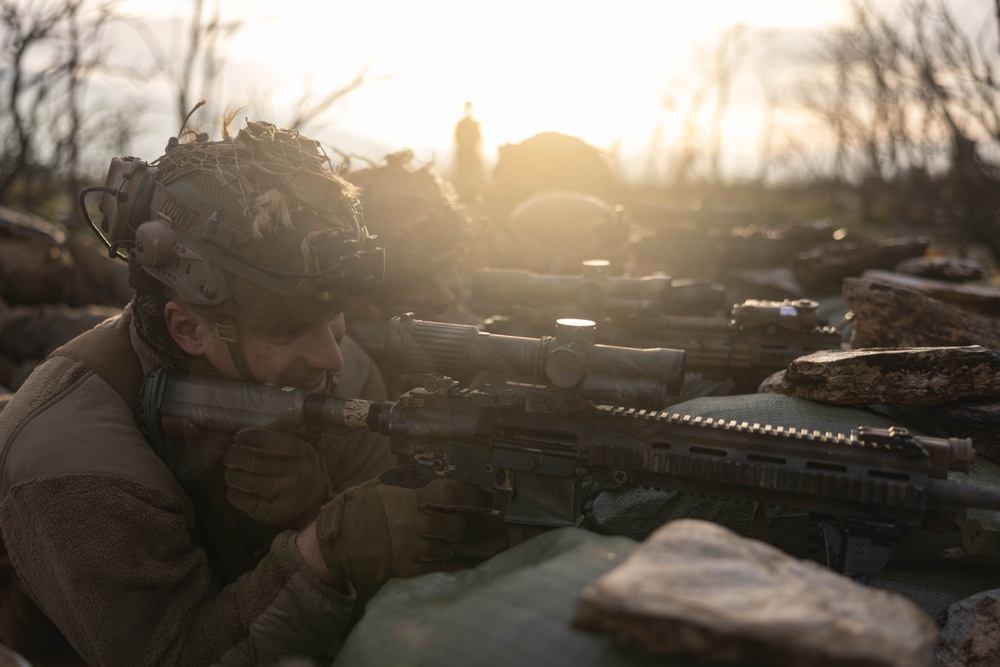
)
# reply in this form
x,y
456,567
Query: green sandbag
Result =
x,y
514,609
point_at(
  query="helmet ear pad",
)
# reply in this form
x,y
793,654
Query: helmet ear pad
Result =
x,y
172,261
128,194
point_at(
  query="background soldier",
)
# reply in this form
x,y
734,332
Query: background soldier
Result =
x,y
416,217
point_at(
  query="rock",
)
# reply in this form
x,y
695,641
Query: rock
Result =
x,y
777,283
976,418
32,332
969,632
902,376
942,267
981,299
17,223
99,279
825,266
760,246
34,271
886,315
696,588
34,265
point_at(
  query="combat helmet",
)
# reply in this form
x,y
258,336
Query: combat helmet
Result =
x,y
414,214
255,225
556,231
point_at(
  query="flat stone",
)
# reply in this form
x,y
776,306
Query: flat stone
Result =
x,y
898,376
824,267
942,267
695,588
982,299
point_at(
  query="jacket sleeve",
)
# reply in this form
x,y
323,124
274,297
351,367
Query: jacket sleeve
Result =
x,y
101,539
112,565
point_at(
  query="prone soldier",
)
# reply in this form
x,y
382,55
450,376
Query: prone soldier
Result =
x,y
196,548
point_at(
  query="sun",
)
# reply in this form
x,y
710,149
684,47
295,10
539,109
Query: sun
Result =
x,y
594,70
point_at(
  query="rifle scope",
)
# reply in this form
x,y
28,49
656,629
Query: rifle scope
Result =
x,y
570,360
594,293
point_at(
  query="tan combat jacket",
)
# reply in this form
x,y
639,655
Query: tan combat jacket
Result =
x,y
104,548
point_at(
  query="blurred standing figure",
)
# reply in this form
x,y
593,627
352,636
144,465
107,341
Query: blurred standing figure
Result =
x,y
470,178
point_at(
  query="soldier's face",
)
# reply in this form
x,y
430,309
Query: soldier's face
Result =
x,y
301,353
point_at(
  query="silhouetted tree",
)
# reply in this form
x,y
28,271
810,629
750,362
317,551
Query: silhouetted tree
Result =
x,y
48,52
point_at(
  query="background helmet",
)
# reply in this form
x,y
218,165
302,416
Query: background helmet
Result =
x,y
548,162
555,232
415,216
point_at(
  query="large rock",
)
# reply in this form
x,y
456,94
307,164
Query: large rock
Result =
x,y
970,630
697,588
887,315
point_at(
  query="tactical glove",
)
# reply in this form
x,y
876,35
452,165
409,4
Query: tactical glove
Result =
x,y
276,478
399,525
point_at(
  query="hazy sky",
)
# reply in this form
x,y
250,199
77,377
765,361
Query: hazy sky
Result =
x,y
598,70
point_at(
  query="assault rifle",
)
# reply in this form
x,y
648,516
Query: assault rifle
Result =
x,y
593,294
534,445
757,338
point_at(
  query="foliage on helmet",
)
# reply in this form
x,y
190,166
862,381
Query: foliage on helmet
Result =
x,y
271,192
414,215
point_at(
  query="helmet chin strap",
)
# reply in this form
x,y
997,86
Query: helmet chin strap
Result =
x,y
226,326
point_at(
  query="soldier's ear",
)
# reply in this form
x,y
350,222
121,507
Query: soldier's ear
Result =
x,y
189,330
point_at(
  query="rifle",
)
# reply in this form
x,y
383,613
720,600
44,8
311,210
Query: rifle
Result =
x,y
534,446
758,338
594,294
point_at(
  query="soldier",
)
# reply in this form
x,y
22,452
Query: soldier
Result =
x,y
416,217
470,178
129,546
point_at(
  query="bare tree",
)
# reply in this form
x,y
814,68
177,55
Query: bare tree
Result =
x,y
195,78
308,108
729,53
48,52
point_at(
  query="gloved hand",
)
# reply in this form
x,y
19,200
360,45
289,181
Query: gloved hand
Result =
x,y
399,525
274,477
